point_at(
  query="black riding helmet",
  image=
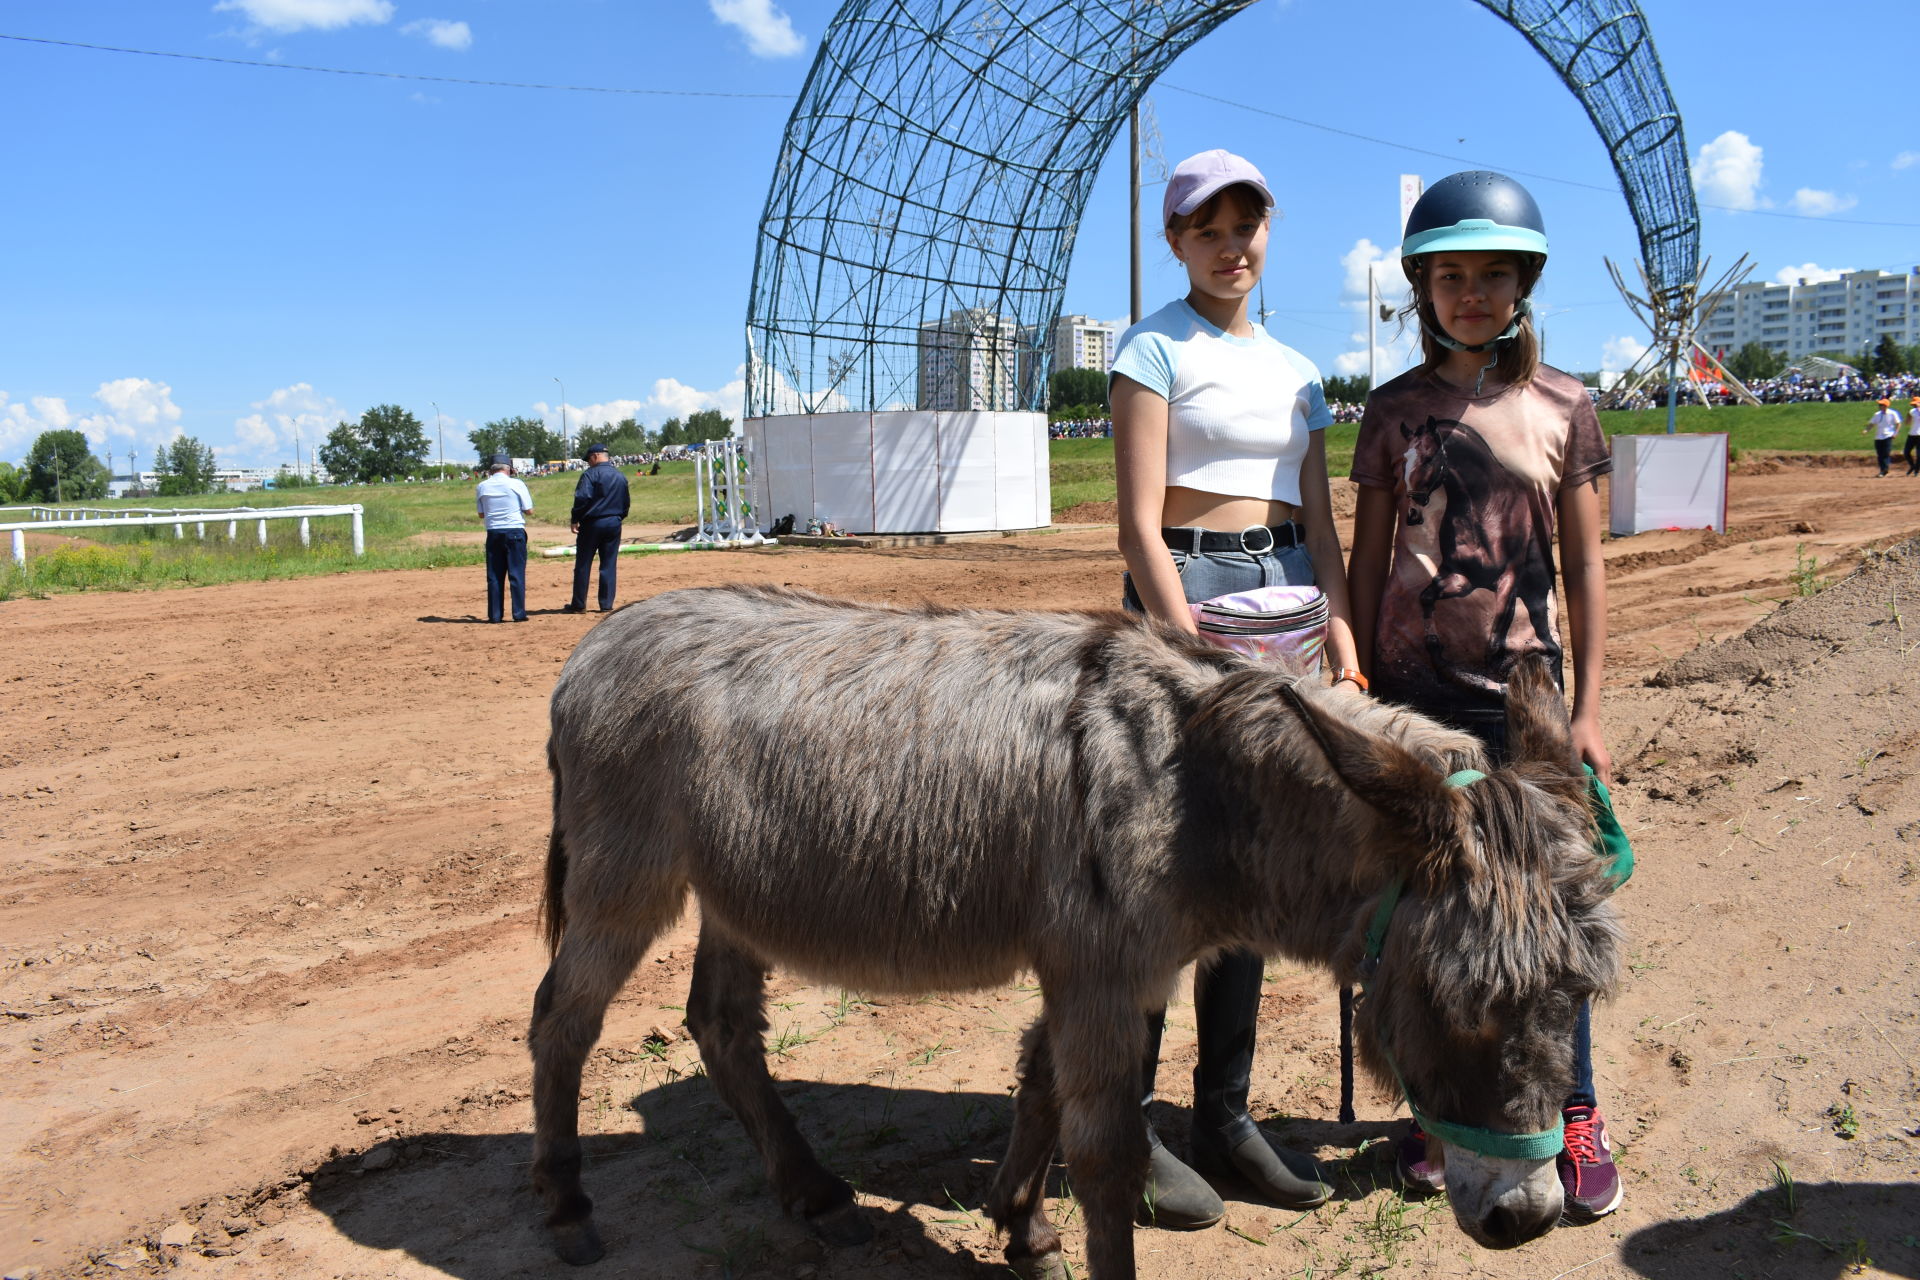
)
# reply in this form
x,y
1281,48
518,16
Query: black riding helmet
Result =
x,y
1476,210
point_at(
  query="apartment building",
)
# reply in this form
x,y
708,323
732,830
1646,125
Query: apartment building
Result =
x,y
1081,342
1850,314
969,361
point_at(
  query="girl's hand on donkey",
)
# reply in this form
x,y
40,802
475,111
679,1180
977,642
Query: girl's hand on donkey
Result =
x,y
1592,749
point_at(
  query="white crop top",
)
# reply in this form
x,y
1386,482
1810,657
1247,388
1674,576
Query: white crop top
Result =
x,y
1238,409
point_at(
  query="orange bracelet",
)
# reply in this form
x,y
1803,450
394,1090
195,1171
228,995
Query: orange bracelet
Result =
x,y
1348,673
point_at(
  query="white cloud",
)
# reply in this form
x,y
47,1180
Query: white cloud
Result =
x,y
1906,159
1726,172
448,35
286,16
1810,273
1395,347
1819,204
1619,354
267,435
136,413
769,31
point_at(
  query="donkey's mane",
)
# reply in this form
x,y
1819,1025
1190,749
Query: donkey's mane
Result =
x,y
1528,914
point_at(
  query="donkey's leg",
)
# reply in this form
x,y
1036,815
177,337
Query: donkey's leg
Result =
x,y
596,956
1017,1200
725,1015
1096,1071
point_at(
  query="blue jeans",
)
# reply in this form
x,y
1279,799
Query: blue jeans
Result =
x,y
596,538
506,565
1217,573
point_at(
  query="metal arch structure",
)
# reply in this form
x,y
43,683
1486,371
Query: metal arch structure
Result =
x,y
936,164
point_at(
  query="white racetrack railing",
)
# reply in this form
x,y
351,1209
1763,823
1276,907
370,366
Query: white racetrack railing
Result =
x,y
180,519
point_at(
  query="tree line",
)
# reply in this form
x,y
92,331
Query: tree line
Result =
x,y
1754,363
387,443
522,437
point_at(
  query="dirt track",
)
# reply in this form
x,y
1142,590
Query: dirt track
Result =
x,y
266,921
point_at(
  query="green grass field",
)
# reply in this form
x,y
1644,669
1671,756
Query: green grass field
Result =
x,y
1081,471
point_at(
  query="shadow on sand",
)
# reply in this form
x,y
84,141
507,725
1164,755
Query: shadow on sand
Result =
x,y
680,1192
1830,1230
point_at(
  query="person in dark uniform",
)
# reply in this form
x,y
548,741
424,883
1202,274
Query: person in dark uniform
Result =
x,y
599,505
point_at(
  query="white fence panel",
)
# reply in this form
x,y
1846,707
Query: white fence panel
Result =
x,y
91,517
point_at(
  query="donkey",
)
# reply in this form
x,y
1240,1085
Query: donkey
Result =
x,y
926,799
1480,545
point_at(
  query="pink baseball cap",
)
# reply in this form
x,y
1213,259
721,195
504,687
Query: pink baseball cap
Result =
x,y
1198,178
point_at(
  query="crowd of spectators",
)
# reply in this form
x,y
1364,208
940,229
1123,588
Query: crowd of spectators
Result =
x,y
1793,388
1080,429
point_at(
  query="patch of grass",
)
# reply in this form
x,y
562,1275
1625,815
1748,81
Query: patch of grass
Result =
x,y
1806,572
1794,428
790,1039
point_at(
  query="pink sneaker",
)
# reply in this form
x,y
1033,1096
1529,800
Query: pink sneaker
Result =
x,y
1418,1174
1587,1172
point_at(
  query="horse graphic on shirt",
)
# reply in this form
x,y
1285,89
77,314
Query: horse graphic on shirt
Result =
x,y
1483,541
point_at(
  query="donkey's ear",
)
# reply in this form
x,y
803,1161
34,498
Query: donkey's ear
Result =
x,y
1537,725
1407,791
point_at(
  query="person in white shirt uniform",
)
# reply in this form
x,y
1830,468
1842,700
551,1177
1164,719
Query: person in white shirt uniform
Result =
x,y
504,504
1913,438
1885,425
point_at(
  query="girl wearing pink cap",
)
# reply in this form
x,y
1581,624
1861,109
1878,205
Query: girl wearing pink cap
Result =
x,y
1222,475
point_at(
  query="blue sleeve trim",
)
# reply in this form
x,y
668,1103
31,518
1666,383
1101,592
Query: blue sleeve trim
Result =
x,y
1147,358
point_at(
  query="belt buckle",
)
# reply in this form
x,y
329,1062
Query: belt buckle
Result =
x,y
1272,541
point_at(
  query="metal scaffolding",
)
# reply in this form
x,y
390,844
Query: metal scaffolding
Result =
x,y
923,207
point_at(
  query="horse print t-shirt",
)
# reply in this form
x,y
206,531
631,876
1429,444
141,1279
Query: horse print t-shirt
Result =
x,y
1475,482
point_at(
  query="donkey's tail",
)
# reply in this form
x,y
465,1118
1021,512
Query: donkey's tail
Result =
x,y
553,904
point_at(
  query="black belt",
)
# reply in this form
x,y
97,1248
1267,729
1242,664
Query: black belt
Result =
x,y
1255,539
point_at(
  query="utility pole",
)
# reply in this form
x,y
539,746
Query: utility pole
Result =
x,y
566,441
1133,207
441,433
1373,312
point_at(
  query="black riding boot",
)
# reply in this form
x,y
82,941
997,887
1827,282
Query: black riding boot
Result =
x,y
1226,1142
1175,1197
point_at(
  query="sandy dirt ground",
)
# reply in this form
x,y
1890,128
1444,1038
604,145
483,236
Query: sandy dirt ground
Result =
x,y
267,935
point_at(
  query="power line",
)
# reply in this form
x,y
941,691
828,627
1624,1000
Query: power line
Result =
x,y
715,93
1543,177
395,75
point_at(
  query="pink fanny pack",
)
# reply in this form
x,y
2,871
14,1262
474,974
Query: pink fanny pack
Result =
x,y
1282,625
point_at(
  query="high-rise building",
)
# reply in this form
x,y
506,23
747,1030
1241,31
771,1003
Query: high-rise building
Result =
x,y
968,361
1081,342
1848,315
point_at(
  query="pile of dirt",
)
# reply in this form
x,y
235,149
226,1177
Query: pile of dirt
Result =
x,y
1805,629
1766,462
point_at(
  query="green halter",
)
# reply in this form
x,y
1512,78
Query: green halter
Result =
x,y
1610,843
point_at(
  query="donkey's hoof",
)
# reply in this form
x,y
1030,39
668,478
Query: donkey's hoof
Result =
x,y
1050,1265
578,1243
842,1226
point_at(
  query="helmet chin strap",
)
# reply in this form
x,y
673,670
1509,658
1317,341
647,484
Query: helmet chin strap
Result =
x,y
1521,310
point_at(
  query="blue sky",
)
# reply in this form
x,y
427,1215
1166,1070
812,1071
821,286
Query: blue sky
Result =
x,y
238,253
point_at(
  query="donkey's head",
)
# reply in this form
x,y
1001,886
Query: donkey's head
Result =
x,y
1503,929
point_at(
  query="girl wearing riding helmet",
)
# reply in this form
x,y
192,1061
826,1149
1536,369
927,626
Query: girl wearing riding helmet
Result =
x,y
1466,464
1222,474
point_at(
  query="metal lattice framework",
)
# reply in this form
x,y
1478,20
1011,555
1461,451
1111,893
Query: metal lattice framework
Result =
x,y
936,164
